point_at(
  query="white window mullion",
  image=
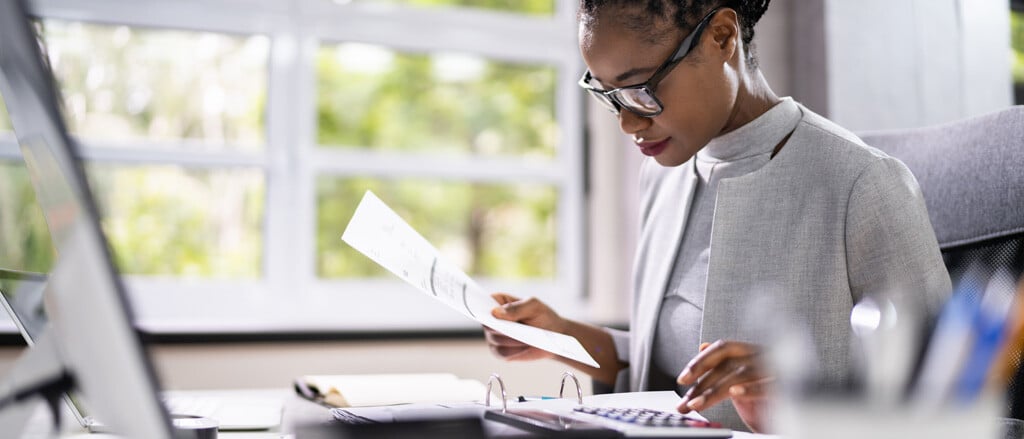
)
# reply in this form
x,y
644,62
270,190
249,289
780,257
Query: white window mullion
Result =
x,y
571,218
384,164
499,36
229,16
304,144
140,154
284,78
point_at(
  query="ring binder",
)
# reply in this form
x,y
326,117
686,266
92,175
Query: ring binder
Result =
x,y
549,424
579,391
504,395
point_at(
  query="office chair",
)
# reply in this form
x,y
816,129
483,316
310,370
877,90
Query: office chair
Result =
x,y
971,173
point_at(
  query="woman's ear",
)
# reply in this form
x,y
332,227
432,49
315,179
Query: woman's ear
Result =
x,y
723,35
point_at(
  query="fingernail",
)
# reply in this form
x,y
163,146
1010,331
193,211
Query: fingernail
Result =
x,y
685,377
696,403
737,390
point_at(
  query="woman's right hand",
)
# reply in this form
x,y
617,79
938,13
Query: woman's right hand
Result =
x,y
528,311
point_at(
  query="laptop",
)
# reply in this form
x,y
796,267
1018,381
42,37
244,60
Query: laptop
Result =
x,y
21,295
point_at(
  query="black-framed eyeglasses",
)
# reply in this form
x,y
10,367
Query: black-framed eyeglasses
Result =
x,y
640,98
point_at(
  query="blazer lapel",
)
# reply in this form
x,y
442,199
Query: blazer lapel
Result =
x,y
659,246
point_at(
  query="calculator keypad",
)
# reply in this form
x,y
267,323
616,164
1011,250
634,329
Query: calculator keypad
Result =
x,y
647,417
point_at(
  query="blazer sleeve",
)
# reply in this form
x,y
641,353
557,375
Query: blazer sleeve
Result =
x,y
891,246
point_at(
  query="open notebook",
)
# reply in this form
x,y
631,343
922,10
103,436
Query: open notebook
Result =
x,y
21,295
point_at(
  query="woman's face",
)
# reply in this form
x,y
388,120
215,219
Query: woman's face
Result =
x,y
698,94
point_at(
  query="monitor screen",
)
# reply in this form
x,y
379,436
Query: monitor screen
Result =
x,y
88,309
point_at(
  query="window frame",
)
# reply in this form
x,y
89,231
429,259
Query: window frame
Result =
x,y
289,297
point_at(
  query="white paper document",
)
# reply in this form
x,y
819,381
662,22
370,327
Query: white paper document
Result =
x,y
380,234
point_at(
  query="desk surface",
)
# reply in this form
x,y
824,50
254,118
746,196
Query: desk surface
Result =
x,y
297,412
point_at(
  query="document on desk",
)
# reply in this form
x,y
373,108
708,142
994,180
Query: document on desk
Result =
x,y
379,233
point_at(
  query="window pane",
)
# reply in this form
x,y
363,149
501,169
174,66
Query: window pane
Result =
x,y
1017,35
501,231
374,97
533,7
122,83
165,220
24,239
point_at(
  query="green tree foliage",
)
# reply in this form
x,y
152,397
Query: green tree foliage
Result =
x,y
375,98
122,83
1017,38
163,220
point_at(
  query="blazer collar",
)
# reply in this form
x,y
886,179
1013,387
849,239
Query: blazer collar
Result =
x,y
659,245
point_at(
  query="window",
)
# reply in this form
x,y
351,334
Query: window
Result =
x,y
129,91
1017,37
228,148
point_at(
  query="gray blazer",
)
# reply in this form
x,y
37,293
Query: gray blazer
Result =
x,y
825,222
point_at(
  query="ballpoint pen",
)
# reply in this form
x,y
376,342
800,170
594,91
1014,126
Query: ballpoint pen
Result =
x,y
522,398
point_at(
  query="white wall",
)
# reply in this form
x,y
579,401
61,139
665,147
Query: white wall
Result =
x,y
890,64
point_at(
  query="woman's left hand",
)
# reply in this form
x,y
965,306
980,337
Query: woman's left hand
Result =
x,y
728,369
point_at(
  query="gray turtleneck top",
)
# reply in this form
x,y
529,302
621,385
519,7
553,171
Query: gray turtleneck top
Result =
x,y
736,153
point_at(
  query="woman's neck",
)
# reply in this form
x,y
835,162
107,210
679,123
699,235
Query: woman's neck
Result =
x,y
754,98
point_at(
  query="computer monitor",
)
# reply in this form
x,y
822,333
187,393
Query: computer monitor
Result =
x,y
90,318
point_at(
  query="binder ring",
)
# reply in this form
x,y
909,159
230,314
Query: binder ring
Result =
x,y
579,391
504,397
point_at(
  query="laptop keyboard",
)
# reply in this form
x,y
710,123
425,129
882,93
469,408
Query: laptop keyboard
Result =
x,y
647,417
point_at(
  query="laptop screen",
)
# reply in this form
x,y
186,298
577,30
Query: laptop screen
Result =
x,y
21,295
90,319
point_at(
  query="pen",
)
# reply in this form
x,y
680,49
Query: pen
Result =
x,y
522,398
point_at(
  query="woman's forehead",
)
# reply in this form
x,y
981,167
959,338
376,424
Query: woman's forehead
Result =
x,y
611,49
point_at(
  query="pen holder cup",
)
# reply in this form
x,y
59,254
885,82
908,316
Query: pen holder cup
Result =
x,y
812,419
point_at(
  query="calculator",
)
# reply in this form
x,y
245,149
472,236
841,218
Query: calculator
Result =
x,y
604,422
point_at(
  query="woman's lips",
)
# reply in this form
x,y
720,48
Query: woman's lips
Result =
x,y
653,148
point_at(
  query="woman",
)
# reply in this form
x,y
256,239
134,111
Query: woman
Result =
x,y
742,191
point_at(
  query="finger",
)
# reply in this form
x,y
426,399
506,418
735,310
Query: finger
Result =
x,y
709,386
703,346
717,387
503,298
711,357
525,353
499,339
752,390
519,310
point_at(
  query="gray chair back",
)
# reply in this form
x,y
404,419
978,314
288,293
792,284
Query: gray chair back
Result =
x,y
971,174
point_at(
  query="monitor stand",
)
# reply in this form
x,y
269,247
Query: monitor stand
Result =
x,y
38,373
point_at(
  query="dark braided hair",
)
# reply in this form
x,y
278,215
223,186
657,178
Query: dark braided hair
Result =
x,y
638,15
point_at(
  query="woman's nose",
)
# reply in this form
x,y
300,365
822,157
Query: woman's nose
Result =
x,y
630,123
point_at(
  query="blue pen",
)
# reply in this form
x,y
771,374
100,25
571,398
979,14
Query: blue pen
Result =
x,y
990,333
534,398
